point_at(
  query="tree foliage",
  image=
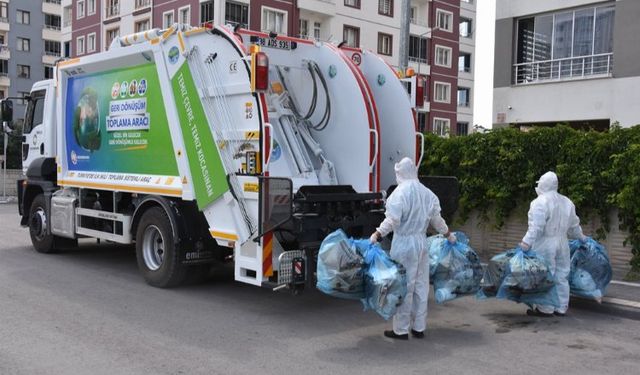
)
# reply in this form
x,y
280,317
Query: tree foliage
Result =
x,y
498,170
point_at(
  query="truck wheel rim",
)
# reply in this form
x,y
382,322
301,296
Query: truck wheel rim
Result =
x,y
153,247
39,224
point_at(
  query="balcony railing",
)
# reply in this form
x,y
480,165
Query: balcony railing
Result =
x,y
143,4
53,1
465,69
418,59
67,23
52,27
4,74
113,11
4,19
419,22
52,53
592,66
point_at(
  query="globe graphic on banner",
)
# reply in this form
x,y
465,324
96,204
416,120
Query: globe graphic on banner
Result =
x,y
86,121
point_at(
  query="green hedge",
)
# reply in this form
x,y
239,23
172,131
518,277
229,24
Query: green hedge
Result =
x,y
498,170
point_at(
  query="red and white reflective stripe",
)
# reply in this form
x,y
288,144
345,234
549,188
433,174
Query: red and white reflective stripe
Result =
x,y
281,199
298,267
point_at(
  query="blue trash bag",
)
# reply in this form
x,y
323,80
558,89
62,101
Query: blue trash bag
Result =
x,y
528,280
385,284
340,271
455,269
590,269
495,273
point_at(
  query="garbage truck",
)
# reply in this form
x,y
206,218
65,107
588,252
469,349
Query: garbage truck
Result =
x,y
208,145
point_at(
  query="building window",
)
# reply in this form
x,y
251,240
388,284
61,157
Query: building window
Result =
x,y
23,101
443,56
4,68
206,14
441,126
111,35
4,12
48,72
316,30
66,16
80,9
167,19
464,96
184,15
52,48
417,49
236,14
80,45
143,25
91,42
462,128
422,121
565,45
385,44
443,92
24,71
274,20
352,3
23,17
142,4
91,7
52,22
465,27
464,62
444,20
385,7
67,49
112,8
351,35
23,44
304,28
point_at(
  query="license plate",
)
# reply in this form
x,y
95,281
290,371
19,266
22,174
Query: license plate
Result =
x,y
274,43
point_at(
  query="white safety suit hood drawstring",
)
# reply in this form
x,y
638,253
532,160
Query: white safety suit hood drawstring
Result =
x,y
405,171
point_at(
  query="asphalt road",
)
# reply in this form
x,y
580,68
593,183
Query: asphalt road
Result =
x,y
88,311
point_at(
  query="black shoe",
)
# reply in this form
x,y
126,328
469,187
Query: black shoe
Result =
x,y
559,314
539,313
416,334
392,335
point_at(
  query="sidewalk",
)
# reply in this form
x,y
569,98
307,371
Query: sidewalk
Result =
x,y
623,293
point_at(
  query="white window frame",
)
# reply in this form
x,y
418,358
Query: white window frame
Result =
x,y
445,127
180,10
91,48
285,18
139,21
84,9
317,26
390,44
436,97
164,19
449,52
439,26
106,36
80,41
305,34
89,12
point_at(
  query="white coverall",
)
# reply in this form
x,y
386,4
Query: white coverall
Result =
x,y
552,218
409,210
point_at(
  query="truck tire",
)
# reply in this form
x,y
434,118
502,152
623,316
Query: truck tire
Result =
x,y
156,252
42,241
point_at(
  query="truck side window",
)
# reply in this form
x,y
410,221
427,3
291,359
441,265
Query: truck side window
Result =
x,y
35,111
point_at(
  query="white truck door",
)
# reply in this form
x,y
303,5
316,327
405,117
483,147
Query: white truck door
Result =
x,y
33,130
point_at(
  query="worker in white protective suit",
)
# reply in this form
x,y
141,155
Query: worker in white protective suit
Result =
x,y
409,211
552,220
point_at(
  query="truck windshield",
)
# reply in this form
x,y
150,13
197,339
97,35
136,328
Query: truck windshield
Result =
x,y
35,111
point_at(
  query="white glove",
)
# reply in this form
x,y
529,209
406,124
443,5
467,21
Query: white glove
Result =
x,y
374,237
452,238
525,246
584,239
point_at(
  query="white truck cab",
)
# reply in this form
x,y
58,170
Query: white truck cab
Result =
x,y
38,140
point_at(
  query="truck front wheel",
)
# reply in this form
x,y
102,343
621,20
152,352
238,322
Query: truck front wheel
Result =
x,y
40,237
156,252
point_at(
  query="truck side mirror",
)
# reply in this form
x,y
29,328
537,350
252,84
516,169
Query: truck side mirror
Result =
x,y
6,110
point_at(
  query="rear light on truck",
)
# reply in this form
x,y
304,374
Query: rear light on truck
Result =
x,y
420,86
259,69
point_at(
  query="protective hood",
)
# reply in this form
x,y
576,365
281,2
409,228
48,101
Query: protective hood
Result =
x,y
547,182
405,171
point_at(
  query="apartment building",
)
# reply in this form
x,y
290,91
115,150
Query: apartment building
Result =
x,y
30,45
570,61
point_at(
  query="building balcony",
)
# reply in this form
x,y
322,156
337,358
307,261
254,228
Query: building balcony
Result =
x,y
51,33
50,58
5,52
4,24
326,7
52,7
571,68
5,81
